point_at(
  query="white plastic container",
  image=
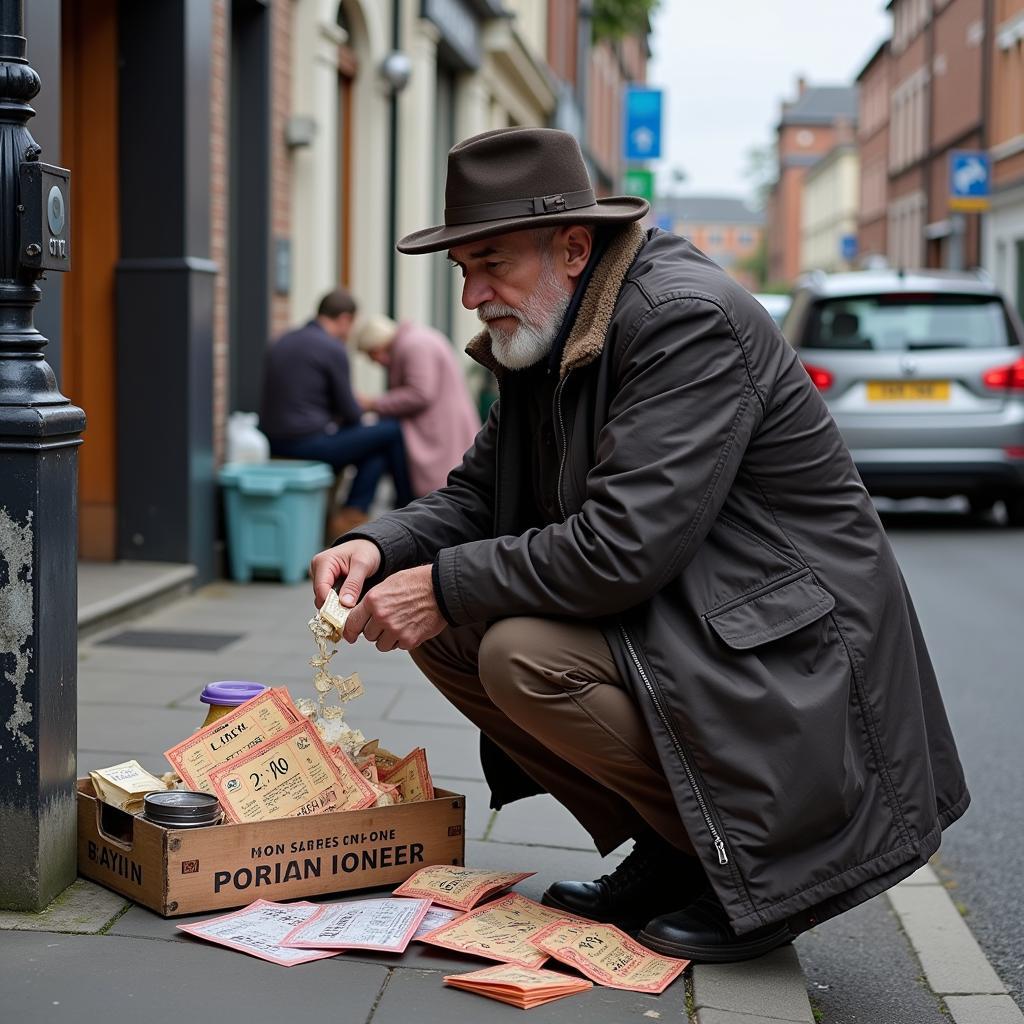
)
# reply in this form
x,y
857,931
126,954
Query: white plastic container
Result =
x,y
245,443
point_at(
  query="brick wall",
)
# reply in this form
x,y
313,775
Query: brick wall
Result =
x,y
280,167
219,79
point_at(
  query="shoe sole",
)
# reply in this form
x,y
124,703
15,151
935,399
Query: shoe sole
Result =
x,y
732,953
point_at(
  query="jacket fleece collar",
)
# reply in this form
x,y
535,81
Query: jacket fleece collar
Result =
x,y
594,317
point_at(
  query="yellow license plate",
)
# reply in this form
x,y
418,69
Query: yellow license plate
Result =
x,y
908,390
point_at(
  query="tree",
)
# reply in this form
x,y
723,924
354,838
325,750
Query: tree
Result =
x,y
615,19
761,168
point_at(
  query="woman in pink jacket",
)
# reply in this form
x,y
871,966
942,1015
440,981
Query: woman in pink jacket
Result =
x,y
426,392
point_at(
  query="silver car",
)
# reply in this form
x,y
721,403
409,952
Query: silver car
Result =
x,y
923,372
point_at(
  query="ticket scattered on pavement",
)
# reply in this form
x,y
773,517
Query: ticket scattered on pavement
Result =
x,y
258,931
386,925
290,775
434,918
500,930
608,956
249,725
411,776
125,785
458,887
519,986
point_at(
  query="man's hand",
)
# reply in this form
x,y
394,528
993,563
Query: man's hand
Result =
x,y
354,561
400,612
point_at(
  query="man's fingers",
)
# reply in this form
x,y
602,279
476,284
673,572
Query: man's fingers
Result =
x,y
355,623
358,570
325,572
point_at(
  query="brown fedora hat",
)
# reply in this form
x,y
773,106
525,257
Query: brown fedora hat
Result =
x,y
516,178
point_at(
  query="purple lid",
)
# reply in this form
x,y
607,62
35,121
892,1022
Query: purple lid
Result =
x,y
230,693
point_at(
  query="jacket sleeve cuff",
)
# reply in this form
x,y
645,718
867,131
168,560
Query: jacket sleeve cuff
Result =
x,y
442,605
446,567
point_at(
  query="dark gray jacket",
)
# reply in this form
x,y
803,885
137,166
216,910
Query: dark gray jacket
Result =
x,y
716,529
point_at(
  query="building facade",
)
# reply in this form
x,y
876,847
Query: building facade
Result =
x,y
873,152
829,211
809,128
1003,226
291,152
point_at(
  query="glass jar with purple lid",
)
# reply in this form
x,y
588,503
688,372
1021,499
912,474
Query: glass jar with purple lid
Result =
x,y
225,696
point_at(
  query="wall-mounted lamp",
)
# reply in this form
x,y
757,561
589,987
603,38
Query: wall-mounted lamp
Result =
x,y
299,131
396,70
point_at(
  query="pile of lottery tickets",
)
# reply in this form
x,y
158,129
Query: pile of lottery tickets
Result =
x,y
275,758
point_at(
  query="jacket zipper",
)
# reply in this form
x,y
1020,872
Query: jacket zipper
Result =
x,y
709,822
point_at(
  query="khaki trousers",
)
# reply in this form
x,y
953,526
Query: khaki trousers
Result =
x,y
548,693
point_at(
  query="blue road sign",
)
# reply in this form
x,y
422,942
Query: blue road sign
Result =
x,y
970,179
641,136
848,248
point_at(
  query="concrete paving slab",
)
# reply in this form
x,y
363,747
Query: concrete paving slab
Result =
x,y
50,978
859,967
539,821
419,704
924,875
414,995
451,751
771,986
109,727
138,685
83,908
984,1010
952,961
712,1016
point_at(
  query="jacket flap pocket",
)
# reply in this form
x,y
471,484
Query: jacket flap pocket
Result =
x,y
769,615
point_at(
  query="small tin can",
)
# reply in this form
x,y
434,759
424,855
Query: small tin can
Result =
x,y
182,808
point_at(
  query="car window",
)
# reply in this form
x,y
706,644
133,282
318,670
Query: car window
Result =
x,y
904,323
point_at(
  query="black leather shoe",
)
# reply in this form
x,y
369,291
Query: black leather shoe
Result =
x,y
701,932
652,877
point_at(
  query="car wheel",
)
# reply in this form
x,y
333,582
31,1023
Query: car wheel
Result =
x,y
1014,509
980,503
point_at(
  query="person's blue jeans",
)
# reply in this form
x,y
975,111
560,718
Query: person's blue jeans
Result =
x,y
373,448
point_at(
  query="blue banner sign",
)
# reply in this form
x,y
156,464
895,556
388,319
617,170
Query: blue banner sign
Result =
x,y
641,136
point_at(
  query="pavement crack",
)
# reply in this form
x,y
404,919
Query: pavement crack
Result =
x,y
380,995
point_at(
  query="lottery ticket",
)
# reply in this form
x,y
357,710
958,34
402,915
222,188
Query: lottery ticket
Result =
x,y
411,776
434,918
386,925
258,931
267,715
500,930
608,956
291,775
519,986
458,887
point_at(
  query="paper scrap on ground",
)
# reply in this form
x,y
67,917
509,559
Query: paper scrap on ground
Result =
x,y
125,785
258,931
412,777
458,887
500,930
386,925
608,956
434,918
247,727
291,775
519,986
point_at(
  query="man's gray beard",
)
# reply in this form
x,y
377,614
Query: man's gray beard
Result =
x,y
538,323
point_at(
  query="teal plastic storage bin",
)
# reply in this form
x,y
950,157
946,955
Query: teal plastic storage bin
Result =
x,y
275,516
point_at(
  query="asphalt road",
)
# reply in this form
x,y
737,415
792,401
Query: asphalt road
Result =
x,y
966,575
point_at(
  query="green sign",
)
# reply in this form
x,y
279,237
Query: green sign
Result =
x,y
639,181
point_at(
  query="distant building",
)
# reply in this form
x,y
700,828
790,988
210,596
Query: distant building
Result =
x,y
726,229
1004,225
809,127
873,150
828,219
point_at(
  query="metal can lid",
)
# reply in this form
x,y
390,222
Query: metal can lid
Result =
x,y
181,808
230,692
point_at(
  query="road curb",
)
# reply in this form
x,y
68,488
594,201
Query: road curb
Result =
x,y
763,991
954,965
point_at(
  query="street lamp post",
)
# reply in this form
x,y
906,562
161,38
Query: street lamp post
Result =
x,y
39,434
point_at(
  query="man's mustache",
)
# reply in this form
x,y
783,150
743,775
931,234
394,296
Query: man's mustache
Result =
x,y
493,310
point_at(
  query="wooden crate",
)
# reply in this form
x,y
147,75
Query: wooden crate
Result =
x,y
187,871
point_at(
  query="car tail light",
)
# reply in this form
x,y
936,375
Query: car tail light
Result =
x,y
1005,378
1014,451
820,378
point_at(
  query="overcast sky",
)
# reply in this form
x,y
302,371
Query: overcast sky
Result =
x,y
726,66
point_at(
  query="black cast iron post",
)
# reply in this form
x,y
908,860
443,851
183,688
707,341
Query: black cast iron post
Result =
x,y
39,434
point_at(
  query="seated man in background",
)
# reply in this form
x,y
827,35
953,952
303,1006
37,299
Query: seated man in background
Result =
x,y
426,392
309,411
